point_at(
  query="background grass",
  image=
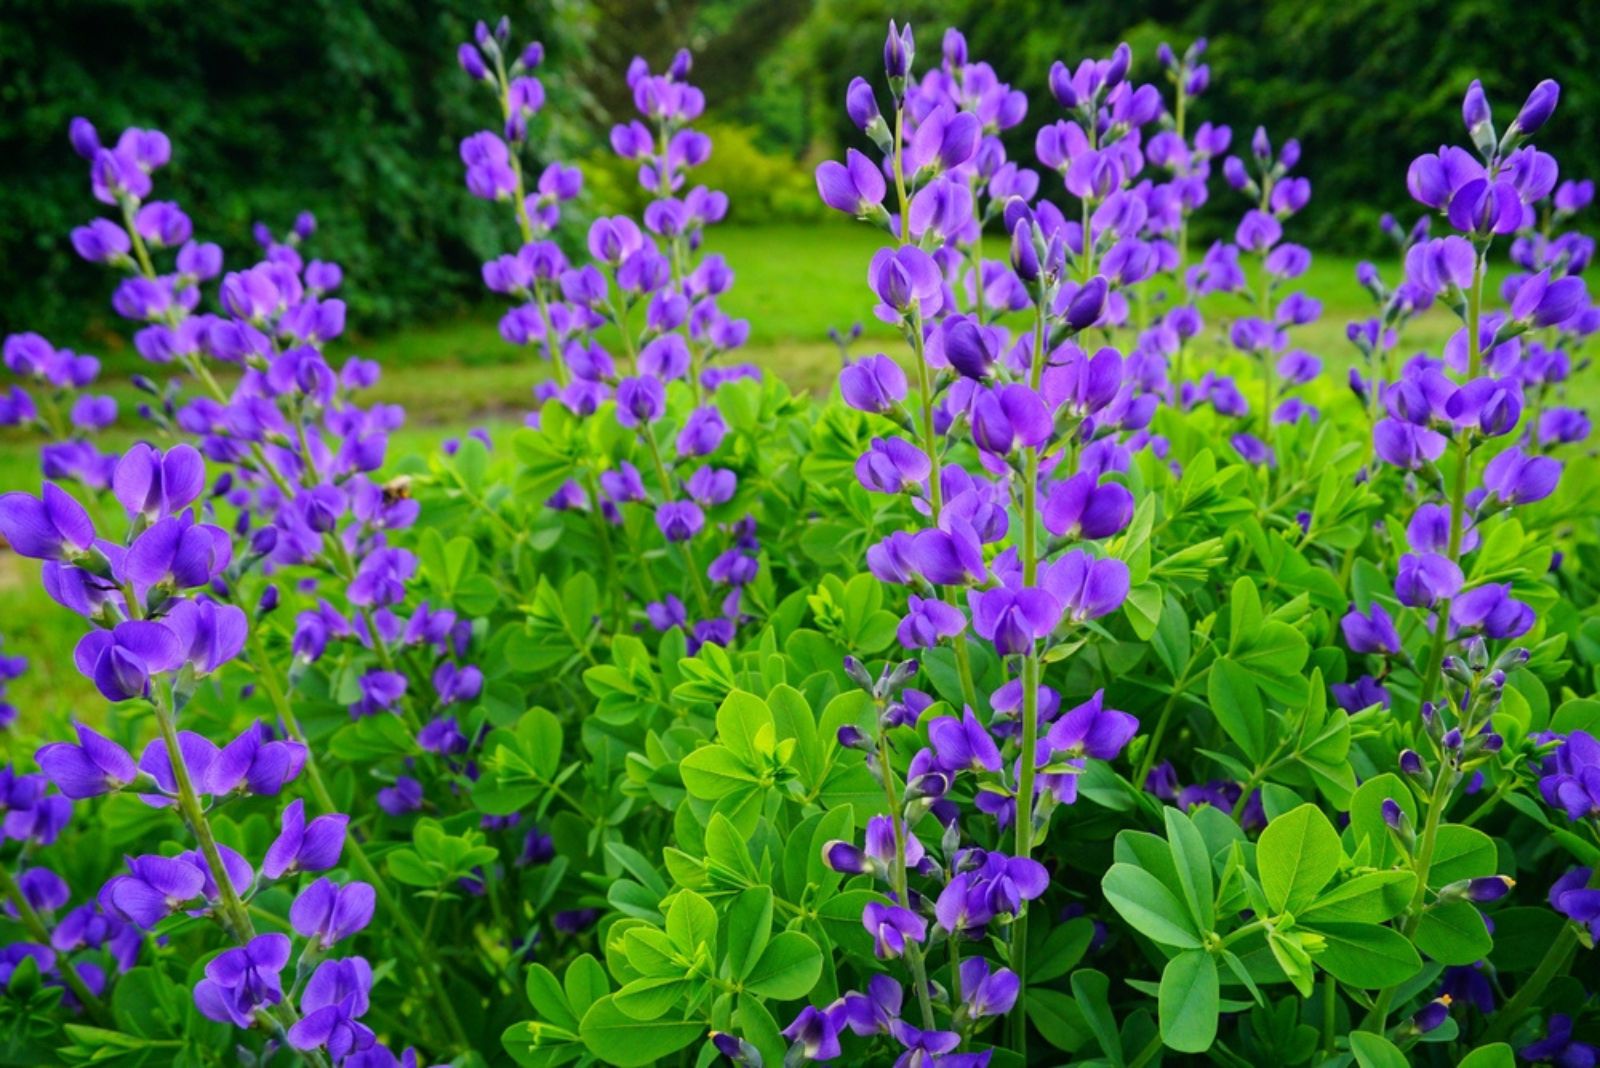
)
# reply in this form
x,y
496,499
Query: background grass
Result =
x,y
793,282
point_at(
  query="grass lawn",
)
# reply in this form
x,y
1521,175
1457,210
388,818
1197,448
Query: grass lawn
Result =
x,y
793,283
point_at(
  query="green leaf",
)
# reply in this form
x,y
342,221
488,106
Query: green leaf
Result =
x,y
1092,991
1370,898
1375,1051
1365,955
585,983
1188,1001
1058,1019
691,922
1461,853
618,1039
1494,1055
1297,854
1453,933
788,969
749,928
1366,816
1236,703
1063,948
651,997
739,720
548,999
712,772
1193,861
1149,907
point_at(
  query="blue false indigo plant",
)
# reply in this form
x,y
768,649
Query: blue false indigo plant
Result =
x,y
1088,632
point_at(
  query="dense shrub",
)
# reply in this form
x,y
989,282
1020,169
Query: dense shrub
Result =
x,y
1097,676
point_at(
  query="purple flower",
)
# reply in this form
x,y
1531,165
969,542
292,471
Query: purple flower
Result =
x,y
873,384
1013,619
947,558
403,797
1092,730
928,621
335,998
1086,588
815,1032
302,846
442,735
1370,632
255,763
904,278
1558,1047
1492,609
1079,507
854,187
121,661
154,888
892,465
326,913
1426,579
680,520
242,979
1365,692
890,927
1571,779
52,526
209,634
1518,478
963,744
871,1013
640,400
95,766
381,577
984,993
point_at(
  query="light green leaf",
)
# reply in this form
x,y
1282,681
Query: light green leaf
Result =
x,y
1188,1002
1297,854
691,922
788,968
618,1039
1193,861
1149,907
749,928
1375,1051
1453,933
1236,703
1365,955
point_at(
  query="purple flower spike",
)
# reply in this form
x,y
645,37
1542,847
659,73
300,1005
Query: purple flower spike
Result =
x,y
891,926
303,846
95,766
327,913
52,526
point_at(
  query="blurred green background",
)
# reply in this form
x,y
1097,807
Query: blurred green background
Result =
x,y
354,110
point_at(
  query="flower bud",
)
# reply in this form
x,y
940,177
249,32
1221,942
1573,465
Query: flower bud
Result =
x,y
1537,109
1432,1015
852,737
